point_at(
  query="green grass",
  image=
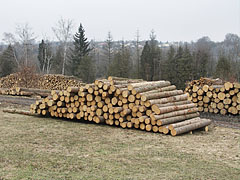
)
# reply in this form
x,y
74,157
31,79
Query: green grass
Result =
x,y
45,148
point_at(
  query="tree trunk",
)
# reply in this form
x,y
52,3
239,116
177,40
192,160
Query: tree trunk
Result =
x,y
160,95
163,110
18,111
175,113
156,107
152,86
195,125
175,119
166,100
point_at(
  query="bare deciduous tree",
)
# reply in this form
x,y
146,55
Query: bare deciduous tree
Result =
x,y
26,38
138,53
63,32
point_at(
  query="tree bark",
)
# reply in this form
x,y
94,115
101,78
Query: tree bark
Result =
x,y
161,95
195,125
175,113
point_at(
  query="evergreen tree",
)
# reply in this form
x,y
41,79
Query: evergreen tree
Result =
x,y
145,59
45,57
7,62
108,51
57,61
86,69
201,60
223,69
170,65
150,59
41,54
178,66
121,63
81,49
181,65
186,68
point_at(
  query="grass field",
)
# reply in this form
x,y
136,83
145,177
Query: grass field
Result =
x,y
45,148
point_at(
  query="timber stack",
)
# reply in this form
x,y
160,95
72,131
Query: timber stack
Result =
x,y
38,81
215,96
29,92
155,106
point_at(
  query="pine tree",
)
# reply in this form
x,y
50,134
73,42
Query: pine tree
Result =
x,y
121,65
7,62
86,69
170,66
45,57
41,54
81,49
150,59
186,72
145,59
57,61
201,60
223,68
178,66
108,51
182,66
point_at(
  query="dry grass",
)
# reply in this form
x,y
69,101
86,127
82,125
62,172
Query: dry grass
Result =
x,y
41,148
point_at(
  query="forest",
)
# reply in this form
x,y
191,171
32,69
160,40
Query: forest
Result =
x,y
74,54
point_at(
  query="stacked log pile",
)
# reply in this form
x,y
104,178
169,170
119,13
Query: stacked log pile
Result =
x,y
38,81
58,82
129,103
29,92
215,96
20,79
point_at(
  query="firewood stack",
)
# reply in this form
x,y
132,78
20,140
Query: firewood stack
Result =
x,y
38,81
129,103
215,96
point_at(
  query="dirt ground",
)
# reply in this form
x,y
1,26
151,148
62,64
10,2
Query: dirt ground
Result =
x,y
48,148
223,121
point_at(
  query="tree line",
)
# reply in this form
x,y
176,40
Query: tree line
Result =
x,y
74,54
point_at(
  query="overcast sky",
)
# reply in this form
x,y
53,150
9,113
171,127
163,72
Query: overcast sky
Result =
x,y
172,20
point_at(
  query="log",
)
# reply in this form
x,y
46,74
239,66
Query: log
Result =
x,y
175,113
183,123
196,125
221,95
175,119
155,107
166,100
167,88
151,86
18,111
167,109
160,95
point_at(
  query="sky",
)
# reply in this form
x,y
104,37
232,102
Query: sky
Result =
x,y
171,20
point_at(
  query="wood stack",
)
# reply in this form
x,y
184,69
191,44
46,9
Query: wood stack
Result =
x,y
223,98
20,79
129,103
58,82
25,92
38,81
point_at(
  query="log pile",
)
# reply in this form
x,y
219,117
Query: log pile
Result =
x,y
58,82
38,81
215,96
29,92
155,106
